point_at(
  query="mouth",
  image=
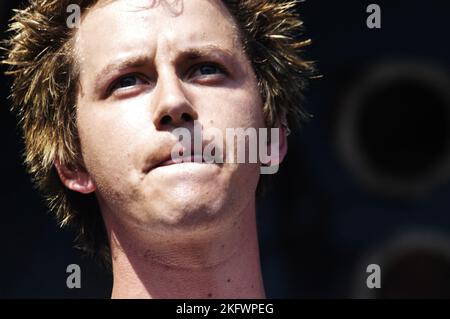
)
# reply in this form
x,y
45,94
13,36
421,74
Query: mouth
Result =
x,y
183,156
198,159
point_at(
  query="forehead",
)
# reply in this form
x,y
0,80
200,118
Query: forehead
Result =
x,y
115,27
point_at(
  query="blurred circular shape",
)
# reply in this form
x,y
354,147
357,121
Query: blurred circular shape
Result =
x,y
413,264
393,129
418,273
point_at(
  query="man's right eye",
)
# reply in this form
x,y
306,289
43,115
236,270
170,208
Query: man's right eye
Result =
x,y
127,82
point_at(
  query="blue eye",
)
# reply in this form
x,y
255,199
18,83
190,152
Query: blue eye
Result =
x,y
208,69
127,81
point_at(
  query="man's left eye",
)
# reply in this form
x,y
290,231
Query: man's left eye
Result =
x,y
128,81
207,69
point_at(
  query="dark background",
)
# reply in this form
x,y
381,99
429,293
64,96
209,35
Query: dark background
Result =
x,y
367,180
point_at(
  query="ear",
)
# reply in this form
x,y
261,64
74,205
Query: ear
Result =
x,y
77,179
282,145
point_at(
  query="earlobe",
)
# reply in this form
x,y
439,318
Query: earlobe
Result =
x,y
76,179
282,145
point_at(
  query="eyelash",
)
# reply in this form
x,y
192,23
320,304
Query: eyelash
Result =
x,y
113,88
192,70
211,64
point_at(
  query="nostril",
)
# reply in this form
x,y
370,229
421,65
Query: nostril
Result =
x,y
186,117
165,120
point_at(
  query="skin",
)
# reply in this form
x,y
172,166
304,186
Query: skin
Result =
x,y
176,231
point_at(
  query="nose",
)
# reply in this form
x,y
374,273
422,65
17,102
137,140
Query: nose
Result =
x,y
171,106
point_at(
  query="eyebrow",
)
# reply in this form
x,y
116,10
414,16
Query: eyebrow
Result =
x,y
141,60
210,49
134,61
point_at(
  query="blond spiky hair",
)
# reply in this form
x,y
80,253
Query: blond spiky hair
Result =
x,y
41,60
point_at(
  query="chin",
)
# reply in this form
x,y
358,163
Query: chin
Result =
x,y
196,196
190,206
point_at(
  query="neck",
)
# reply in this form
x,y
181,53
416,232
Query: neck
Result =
x,y
210,263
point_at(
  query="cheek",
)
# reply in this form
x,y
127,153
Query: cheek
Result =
x,y
235,109
107,136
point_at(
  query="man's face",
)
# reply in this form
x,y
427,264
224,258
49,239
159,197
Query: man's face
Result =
x,y
146,69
